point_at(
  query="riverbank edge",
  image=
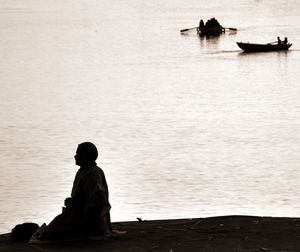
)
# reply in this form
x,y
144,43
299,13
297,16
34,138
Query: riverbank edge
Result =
x,y
221,233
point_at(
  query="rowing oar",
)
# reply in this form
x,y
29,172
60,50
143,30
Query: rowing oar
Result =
x,y
232,29
274,42
188,29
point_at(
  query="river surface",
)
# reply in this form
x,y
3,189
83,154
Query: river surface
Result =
x,y
185,126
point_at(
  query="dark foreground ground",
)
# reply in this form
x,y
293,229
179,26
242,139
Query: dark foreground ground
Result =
x,y
228,233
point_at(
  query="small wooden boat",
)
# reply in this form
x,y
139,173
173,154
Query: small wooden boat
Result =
x,y
250,47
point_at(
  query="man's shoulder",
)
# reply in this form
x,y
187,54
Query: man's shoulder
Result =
x,y
95,171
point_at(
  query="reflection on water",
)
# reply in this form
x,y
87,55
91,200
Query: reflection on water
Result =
x,y
185,126
279,54
209,41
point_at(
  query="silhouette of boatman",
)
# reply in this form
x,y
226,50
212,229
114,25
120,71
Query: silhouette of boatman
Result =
x,y
86,212
279,40
201,24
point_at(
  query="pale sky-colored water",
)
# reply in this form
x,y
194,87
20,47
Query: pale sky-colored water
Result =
x,y
186,127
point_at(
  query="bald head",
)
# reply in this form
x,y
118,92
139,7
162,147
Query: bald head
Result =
x,y
86,154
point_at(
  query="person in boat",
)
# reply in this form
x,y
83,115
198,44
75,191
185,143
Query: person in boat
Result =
x,y
86,212
212,23
278,40
212,27
285,41
201,24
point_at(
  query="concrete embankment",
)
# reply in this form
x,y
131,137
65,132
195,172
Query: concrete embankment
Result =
x,y
225,233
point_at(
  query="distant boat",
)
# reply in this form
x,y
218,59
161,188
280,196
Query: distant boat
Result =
x,y
251,47
211,28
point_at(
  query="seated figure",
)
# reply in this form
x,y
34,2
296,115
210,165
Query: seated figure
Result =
x,y
86,212
278,40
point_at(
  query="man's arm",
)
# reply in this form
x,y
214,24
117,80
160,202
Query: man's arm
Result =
x,y
97,207
97,203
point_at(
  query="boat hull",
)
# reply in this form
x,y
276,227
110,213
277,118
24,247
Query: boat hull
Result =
x,y
249,47
211,31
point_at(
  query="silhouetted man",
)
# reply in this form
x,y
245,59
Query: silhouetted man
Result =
x,y
86,212
278,40
201,24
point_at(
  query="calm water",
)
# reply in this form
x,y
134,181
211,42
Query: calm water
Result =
x,y
186,127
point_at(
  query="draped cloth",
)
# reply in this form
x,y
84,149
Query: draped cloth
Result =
x,y
87,211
